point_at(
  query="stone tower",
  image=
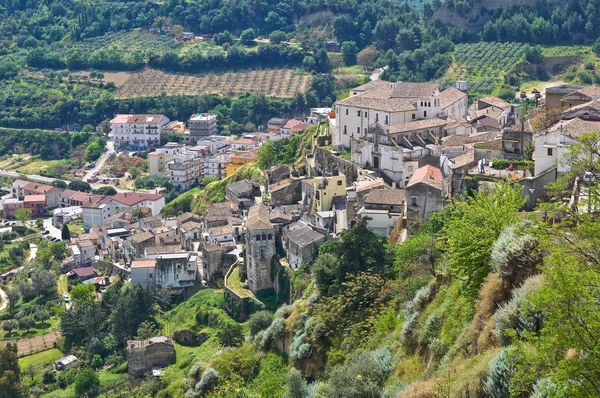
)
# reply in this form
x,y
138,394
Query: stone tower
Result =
x,y
260,248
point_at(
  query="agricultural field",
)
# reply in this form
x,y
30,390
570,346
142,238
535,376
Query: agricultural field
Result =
x,y
283,83
484,64
138,40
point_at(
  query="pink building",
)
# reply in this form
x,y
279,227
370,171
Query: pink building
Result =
x,y
10,206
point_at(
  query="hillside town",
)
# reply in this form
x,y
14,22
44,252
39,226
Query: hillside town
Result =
x,y
413,146
390,154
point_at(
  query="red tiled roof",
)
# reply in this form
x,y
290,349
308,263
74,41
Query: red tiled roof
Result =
x,y
36,187
131,198
34,198
427,175
143,264
291,123
84,271
244,141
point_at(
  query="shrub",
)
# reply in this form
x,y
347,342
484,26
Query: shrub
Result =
x,y
264,337
420,300
259,321
514,250
87,383
409,328
208,381
296,385
497,384
430,328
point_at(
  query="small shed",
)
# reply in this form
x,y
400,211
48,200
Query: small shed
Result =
x,y
65,363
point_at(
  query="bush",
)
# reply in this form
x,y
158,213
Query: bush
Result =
x,y
264,337
501,164
87,383
497,384
208,381
259,321
514,251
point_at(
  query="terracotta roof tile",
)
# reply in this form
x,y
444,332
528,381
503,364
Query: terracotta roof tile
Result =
x,y
428,175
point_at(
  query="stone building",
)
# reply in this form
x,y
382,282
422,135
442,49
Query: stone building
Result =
x,y
301,243
425,192
260,248
142,355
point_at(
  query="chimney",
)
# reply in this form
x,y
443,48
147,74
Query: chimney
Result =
x,y
89,199
125,194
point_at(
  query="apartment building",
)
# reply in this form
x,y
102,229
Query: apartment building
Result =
x,y
202,125
185,169
137,131
215,166
158,160
96,209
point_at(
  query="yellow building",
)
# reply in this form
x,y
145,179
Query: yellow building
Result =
x,y
326,188
238,160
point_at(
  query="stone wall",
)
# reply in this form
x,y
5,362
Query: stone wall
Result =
x,y
142,356
325,162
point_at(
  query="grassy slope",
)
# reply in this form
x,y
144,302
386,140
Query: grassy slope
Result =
x,y
40,359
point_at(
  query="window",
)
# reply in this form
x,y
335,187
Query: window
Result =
x,y
365,131
366,114
270,237
414,116
358,130
421,103
358,113
549,151
150,275
257,238
376,117
414,200
386,119
264,237
429,104
345,131
346,111
424,113
339,182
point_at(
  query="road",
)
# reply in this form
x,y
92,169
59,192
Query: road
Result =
x,y
4,303
54,232
376,73
110,149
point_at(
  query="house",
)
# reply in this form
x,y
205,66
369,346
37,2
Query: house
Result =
x,y
174,127
158,160
516,141
222,235
243,192
244,144
218,213
137,131
286,129
10,206
238,160
185,169
589,111
213,265
553,144
135,244
79,198
383,207
260,248
276,123
83,252
301,243
16,189
143,355
568,96
150,222
98,208
37,205
51,193
144,272
161,233
425,192
65,363
190,232
65,196
176,270
65,215
82,273
497,109
326,188
284,193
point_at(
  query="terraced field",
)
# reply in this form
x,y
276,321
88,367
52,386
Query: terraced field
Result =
x,y
283,83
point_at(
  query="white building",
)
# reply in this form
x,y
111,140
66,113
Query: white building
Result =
x,y
215,166
98,208
157,160
185,169
391,104
137,131
552,145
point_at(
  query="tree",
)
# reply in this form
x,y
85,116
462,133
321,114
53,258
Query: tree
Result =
x,y
259,321
87,383
96,361
248,36
26,323
267,154
507,95
230,333
277,37
596,47
65,234
474,226
10,372
296,385
39,223
349,51
82,292
177,31
41,315
23,215
146,330
9,325
81,186
13,297
366,57
534,54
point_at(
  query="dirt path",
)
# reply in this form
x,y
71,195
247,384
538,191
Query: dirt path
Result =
x,y
4,302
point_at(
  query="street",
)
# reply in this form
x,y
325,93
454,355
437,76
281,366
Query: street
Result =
x,y
110,149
